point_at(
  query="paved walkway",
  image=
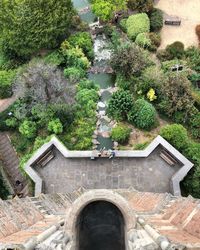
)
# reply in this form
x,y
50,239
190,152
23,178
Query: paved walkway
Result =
x,y
151,174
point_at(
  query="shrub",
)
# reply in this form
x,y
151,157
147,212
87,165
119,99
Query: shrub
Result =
x,y
175,134
74,74
6,81
129,60
84,41
151,95
155,41
54,58
193,57
28,129
137,24
167,65
55,126
120,104
121,133
197,29
175,50
156,20
122,25
143,114
141,5
163,55
143,40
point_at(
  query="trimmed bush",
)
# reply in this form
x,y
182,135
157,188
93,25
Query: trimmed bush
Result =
x,y
175,50
55,126
143,114
175,134
6,80
121,133
143,40
137,24
156,20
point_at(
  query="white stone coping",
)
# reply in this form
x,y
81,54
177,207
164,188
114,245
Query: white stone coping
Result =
x,y
175,181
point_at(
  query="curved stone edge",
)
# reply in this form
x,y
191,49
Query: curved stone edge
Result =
x,y
175,181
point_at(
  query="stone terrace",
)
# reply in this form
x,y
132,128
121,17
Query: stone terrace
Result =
x,y
150,174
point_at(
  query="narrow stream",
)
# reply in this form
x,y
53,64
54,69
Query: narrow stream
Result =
x,y
101,74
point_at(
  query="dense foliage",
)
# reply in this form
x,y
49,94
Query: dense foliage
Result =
x,y
143,114
105,9
136,24
121,133
129,60
27,26
156,19
6,81
120,104
143,40
141,5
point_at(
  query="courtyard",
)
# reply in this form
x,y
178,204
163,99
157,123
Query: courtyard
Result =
x,y
188,12
62,175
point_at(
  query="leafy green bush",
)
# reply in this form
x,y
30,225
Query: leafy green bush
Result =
x,y
74,74
120,104
28,129
175,50
121,133
136,24
74,57
156,19
175,134
143,114
167,65
55,126
6,81
143,40
192,55
84,41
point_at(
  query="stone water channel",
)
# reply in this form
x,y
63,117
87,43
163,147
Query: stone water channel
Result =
x,y
101,74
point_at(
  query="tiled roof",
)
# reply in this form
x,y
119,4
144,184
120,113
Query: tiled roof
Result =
x,y
176,218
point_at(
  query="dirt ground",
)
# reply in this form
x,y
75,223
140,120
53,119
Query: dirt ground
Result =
x,y
189,13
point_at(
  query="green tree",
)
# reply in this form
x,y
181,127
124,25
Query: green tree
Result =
x,y
120,104
105,9
129,60
143,114
27,26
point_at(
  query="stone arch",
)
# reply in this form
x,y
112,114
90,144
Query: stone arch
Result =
x,y
98,195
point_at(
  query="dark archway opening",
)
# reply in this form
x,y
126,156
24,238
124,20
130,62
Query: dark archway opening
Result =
x,y
100,226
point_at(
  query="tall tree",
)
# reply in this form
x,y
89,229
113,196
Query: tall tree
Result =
x,y
29,25
105,9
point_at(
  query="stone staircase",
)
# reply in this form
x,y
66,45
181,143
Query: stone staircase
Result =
x,y
11,163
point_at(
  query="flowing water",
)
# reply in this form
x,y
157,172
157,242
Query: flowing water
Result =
x,y
99,74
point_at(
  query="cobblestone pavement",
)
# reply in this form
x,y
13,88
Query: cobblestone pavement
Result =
x,y
151,174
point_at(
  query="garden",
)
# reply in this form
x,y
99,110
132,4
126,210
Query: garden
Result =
x,y
157,90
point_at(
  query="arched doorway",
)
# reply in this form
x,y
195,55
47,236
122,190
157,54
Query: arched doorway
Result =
x,y
100,226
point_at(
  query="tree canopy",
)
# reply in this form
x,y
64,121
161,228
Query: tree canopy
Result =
x,y
27,26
